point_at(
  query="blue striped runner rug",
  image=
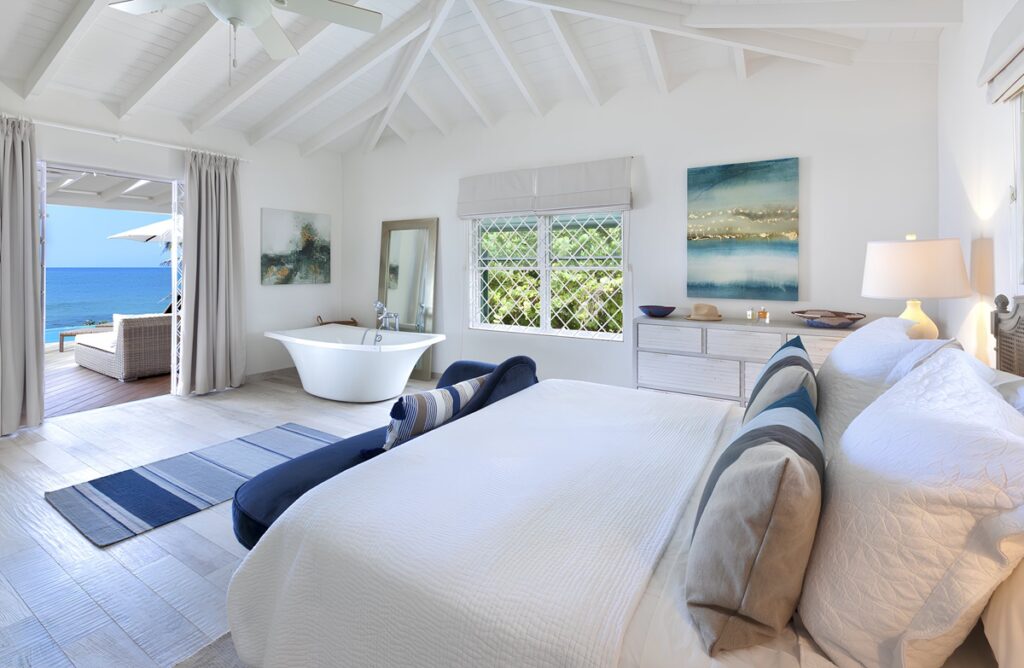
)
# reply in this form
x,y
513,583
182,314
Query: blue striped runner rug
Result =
x,y
121,505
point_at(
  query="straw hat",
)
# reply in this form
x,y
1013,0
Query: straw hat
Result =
x,y
704,312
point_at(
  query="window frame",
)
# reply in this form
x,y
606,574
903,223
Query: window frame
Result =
x,y
542,263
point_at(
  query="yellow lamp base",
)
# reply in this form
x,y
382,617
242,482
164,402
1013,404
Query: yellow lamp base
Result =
x,y
925,328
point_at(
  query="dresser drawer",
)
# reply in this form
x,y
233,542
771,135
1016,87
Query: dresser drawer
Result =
x,y
693,375
757,346
664,337
818,347
751,370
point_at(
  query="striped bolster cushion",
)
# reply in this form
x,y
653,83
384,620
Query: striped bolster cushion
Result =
x,y
788,369
755,527
415,414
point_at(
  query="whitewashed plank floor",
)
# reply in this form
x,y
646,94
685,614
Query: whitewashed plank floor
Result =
x,y
154,599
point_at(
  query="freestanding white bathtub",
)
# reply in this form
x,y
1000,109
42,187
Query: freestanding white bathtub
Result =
x,y
343,363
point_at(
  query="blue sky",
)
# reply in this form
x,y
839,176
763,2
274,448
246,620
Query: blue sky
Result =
x,y
77,237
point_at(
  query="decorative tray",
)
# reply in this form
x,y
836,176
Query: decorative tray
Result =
x,y
828,319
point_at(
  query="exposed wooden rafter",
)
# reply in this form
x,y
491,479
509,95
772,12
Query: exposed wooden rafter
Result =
x,y
560,25
429,110
345,124
674,23
848,14
447,63
489,25
659,70
408,66
83,14
378,48
168,67
242,91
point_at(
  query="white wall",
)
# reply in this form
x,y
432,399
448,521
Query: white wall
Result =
x,y
275,177
865,136
975,145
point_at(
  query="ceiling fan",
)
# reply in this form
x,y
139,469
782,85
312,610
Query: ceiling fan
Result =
x,y
256,15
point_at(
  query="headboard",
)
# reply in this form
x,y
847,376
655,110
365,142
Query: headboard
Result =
x,y
1008,328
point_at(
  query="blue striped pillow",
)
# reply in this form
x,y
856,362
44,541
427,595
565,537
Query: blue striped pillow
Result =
x,y
786,371
416,414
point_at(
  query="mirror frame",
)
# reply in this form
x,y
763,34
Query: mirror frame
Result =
x,y
423,366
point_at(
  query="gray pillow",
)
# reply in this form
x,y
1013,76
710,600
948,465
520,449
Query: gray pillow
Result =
x,y
755,527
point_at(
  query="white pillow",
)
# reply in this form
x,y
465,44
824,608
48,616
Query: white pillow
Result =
x,y
860,368
924,512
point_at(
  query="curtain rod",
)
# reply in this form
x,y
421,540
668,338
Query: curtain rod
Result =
x,y
118,138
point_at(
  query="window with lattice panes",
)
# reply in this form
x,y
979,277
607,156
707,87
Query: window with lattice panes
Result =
x,y
559,274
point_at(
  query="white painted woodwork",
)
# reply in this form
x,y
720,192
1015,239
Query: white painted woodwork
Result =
x,y
72,31
461,82
168,67
674,23
690,375
376,50
242,91
675,339
562,28
751,370
489,24
758,346
847,14
659,71
818,346
350,121
429,110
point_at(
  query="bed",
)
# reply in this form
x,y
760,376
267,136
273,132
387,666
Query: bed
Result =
x,y
549,530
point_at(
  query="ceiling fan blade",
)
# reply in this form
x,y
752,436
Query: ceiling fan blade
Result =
x,y
335,12
274,39
139,7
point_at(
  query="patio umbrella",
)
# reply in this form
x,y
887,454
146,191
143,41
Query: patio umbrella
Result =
x,y
159,232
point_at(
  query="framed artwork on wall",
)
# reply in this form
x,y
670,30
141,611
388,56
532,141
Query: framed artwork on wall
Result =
x,y
295,247
743,231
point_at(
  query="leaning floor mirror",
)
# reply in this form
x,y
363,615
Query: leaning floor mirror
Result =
x,y
408,250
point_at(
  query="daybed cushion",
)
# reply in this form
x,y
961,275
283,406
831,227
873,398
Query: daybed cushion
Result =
x,y
755,527
923,518
105,341
260,501
787,370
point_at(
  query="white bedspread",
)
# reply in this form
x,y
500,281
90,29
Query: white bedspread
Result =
x,y
522,535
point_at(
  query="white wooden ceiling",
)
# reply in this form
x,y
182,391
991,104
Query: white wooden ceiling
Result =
x,y
436,63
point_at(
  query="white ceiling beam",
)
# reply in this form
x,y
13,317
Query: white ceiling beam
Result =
x,y
559,24
656,60
674,23
407,68
489,25
829,15
447,63
401,130
429,110
242,91
83,15
345,124
739,59
168,67
375,50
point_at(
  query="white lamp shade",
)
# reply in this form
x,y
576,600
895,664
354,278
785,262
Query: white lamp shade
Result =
x,y
915,270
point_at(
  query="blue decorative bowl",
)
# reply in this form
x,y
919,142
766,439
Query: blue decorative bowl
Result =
x,y
828,319
656,311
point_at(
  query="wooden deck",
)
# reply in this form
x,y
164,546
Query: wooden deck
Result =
x,y
71,389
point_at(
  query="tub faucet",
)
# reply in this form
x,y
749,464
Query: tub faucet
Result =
x,y
385,319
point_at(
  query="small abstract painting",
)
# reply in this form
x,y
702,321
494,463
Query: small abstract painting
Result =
x,y
295,247
743,231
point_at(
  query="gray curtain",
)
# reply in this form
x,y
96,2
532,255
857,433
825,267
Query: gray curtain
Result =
x,y
213,325
21,294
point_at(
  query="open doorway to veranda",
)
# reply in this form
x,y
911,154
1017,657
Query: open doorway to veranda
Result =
x,y
110,246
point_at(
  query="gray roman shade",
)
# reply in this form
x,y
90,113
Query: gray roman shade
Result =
x,y
1003,71
603,185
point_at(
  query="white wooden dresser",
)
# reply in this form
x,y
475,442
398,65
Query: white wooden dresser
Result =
x,y
716,359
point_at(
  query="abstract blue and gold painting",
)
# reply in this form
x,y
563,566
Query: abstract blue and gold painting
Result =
x,y
743,231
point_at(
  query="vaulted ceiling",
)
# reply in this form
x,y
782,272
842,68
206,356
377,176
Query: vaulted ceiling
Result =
x,y
436,63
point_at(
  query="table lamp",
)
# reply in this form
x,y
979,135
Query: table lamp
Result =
x,y
915,270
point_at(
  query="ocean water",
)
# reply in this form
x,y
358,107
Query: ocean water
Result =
x,y
731,269
75,296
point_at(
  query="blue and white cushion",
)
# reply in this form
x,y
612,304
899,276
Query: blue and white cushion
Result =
x,y
415,414
788,369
